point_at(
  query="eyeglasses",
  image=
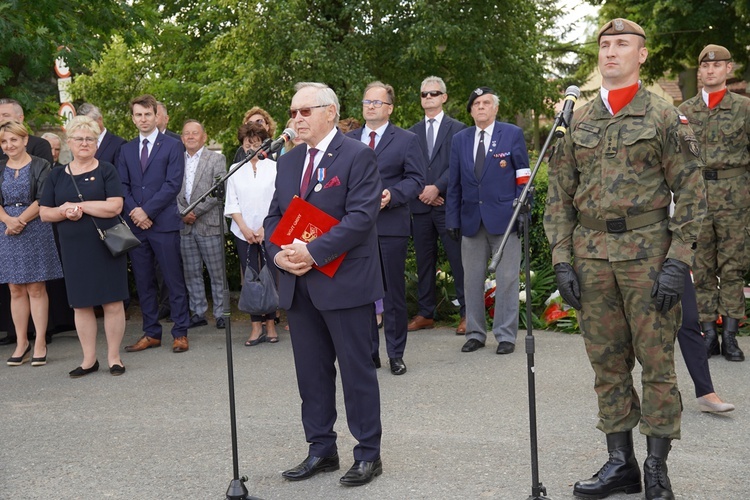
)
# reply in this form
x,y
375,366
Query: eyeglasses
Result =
x,y
305,112
432,93
87,140
375,104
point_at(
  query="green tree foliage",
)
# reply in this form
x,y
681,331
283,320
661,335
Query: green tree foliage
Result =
x,y
214,59
678,30
31,32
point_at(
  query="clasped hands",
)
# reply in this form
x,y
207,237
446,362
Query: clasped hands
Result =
x,y
294,258
71,211
140,218
14,225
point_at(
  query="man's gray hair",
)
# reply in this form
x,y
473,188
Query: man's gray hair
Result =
x,y
16,105
435,79
88,109
50,135
325,96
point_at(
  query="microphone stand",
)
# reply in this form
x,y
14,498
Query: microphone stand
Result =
x,y
237,489
522,205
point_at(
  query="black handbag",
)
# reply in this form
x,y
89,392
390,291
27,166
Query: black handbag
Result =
x,y
118,238
259,295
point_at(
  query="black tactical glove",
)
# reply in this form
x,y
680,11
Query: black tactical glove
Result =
x,y
454,233
670,284
567,284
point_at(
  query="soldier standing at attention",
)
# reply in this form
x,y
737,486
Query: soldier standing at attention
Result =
x,y
611,181
721,121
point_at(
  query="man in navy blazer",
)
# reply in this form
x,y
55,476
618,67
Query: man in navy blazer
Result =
x,y
328,317
435,134
109,144
151,169
401,168
489,168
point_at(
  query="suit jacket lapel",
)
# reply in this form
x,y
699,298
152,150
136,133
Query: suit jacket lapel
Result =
x,y
154,150
442,132
326,161
385,140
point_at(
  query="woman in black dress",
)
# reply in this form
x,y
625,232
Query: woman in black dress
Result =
x,y
92,275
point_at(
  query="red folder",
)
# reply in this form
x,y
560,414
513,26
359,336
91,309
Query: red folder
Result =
x,y
305,222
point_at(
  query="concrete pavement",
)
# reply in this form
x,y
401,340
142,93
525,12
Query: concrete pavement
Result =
x,y
455,426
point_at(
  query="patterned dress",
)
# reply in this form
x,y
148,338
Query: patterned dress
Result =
x,y
30,256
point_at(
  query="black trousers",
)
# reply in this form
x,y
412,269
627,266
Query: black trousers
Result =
x,y
691,342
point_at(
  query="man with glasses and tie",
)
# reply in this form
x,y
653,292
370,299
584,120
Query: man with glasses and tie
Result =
x,y
151,169
329,316
489,168
435,134
402,167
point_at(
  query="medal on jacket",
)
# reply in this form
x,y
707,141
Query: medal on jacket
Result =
x,y
321,178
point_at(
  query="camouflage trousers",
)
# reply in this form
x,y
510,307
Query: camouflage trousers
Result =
x,y
720,264
620,324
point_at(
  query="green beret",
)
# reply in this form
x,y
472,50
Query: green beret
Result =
x,y
620,26
714,53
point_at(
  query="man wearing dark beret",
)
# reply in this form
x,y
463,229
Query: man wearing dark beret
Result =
x,y
621,260
489,167
721,122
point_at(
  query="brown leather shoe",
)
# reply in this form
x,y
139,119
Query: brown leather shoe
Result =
x,y
461,330
143,343
180,344
420,323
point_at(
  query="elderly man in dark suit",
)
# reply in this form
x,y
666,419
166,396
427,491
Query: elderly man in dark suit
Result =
x,y
109,144
151,169
200,238
435,134
489,168
327,314
401,166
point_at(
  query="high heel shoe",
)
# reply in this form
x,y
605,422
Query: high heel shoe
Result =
x,y
19,360
41,361
80,371
257,341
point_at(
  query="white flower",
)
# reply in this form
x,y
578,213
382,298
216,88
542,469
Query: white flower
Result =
x,y
522,296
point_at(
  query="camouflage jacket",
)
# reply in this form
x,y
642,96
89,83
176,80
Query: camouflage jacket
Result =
x,y
724,136
621,166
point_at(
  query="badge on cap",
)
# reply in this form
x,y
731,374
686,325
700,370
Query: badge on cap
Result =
x,y
478,92
712,55
619,25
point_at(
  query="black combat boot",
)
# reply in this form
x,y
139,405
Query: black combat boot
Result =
x,y
710,338
620,473
729,347
655,476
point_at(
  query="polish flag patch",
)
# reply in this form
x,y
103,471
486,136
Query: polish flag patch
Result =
x,y
684,120
522,175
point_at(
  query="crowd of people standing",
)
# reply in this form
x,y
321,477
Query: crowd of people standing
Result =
x,y
621,258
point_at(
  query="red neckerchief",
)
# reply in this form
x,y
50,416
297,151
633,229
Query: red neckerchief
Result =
x,y
619,98
714,98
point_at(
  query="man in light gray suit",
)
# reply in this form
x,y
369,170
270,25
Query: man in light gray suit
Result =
x,y
200,240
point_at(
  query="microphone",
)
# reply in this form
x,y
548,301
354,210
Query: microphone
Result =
x,y
571,95
267,150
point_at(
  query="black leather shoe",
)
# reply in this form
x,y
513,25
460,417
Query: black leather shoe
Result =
x,y
81,372
505,348
8,340
619,474
398,367
376,360
196,321
472,345
311,466
220,323
362,472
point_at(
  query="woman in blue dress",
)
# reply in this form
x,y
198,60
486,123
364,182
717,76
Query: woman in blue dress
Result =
x,y
28,255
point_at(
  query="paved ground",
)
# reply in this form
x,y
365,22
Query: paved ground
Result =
x,y
455,426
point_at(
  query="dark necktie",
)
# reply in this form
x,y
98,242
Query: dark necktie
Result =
x,y
308,172
372,139
479,160
430,137
144,155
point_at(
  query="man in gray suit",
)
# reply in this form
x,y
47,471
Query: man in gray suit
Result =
x,y
200,238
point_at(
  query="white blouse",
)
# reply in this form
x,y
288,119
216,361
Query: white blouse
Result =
x,y
249,194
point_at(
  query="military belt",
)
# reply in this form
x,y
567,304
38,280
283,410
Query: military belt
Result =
x,y
623,224
715,175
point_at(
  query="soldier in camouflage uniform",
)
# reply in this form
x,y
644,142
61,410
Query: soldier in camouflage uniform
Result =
x,y
721,122
610,185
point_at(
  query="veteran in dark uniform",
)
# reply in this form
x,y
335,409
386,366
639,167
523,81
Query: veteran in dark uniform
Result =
x,y
610,185
721,122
